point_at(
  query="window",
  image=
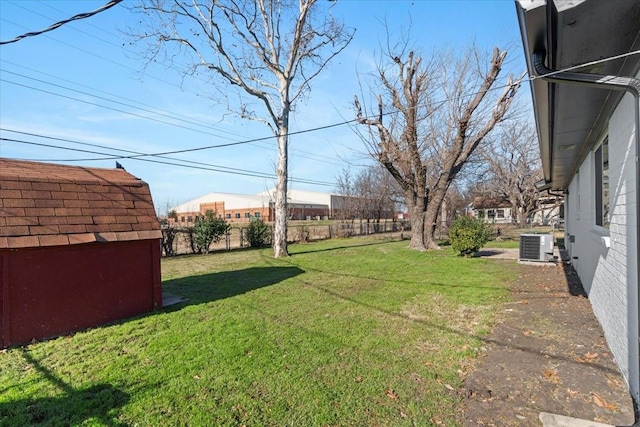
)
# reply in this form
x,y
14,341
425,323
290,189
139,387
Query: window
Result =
x,y
181,219
500,214
257,215
247,215
227,216
189,218
602,184
237,215
481,214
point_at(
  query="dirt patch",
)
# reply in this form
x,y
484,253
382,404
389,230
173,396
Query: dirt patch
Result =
x,y
547,354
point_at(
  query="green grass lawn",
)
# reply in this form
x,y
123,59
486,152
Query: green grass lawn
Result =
x,y
345,332
502,244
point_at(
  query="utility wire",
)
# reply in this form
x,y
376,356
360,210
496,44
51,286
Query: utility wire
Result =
x,y
213,169
146,110
586,64
123,111
531,78
61,23
120,157
308,155
154,110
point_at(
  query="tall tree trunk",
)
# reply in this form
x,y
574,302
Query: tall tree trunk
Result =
x,y
416,210
430,223
522,218
280,229
433,207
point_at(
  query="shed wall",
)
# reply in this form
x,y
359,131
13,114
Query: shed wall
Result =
x,y
57,290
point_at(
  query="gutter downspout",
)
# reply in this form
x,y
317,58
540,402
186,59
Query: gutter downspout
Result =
x,y
632,86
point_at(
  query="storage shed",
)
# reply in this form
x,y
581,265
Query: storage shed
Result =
x,y
79,247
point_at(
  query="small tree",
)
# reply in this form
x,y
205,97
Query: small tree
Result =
x,y
168,237
258,233
468,235
208,230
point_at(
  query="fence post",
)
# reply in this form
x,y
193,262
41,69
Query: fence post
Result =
x,y
241,237
227,239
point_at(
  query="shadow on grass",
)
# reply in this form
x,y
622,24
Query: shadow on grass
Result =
x,y
97,403
226,284
312,250
550,354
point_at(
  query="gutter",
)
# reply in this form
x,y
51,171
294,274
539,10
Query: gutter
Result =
x,y
632,86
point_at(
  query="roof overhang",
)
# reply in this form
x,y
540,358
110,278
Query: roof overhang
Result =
x,y
572,118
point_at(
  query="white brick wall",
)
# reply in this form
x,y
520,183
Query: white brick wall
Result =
x,y
609,275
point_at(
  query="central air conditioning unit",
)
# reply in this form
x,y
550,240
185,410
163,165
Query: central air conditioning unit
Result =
x,y
536,247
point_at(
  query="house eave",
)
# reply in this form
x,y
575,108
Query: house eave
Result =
x,y
571,119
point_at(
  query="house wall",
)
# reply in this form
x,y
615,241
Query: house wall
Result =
x,y
608,271
56,290
490,215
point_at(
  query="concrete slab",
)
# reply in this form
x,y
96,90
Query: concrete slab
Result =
x,y
170,299
554,420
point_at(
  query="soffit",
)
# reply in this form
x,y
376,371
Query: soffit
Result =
x,y
571,118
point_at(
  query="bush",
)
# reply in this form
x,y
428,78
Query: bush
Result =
x,y
468,235
207,230
304,234
258,233
168,237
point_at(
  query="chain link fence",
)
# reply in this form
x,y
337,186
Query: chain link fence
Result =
x,y
176,240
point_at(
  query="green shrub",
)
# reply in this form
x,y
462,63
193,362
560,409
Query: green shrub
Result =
x,y
468,235
304,234
206,230
258,233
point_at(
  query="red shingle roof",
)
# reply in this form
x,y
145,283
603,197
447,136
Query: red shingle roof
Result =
x,y
490,203
43,204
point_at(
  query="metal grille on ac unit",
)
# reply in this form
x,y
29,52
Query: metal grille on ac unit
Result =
x,y
536,247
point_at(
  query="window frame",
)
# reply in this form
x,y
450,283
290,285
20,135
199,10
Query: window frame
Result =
x,y
601,184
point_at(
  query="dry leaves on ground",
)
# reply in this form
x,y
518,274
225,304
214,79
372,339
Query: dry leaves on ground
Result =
x,y
552,375
603,403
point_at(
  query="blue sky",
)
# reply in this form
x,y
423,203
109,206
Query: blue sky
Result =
x,y
84,82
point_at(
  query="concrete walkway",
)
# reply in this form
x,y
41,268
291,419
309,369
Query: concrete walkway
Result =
x,y
546,362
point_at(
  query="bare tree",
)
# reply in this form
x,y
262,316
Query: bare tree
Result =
x,y
430,118
348,205
370,194
375,188
514,168
269,50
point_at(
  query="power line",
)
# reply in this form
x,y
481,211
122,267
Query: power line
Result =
x,y
207,167
146,110
345,122
120,157
248,141
61,23
122,111
157,111
586,64
310,156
